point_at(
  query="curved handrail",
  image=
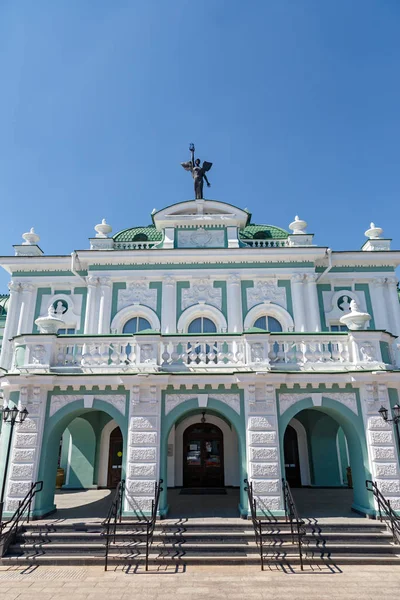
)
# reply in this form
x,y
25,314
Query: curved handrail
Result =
x,y
9,528
385,510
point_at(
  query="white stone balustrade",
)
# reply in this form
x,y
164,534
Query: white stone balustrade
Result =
x,y
249,351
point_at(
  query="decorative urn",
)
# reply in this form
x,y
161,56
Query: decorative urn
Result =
x,y
355,319
51,323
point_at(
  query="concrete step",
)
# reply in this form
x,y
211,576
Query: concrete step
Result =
x,y
210,559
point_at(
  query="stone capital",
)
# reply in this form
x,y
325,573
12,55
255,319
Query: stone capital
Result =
x,y
234,279
297,278
105,281
14,287
92,281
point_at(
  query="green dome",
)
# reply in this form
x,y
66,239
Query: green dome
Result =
x,y
138,234
4,301
263,232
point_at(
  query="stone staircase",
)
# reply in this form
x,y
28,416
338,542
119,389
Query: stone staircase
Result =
x,y
201,541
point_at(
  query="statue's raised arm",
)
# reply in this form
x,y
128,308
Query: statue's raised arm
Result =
x,y
198,172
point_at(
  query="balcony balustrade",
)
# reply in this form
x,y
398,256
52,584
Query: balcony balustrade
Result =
x,y
209,352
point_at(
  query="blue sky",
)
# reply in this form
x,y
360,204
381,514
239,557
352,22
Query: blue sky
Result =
x,y
296,102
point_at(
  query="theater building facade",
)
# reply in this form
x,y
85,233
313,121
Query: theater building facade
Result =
x,y
201,350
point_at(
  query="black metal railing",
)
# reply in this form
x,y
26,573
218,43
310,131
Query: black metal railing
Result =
x,y
256,521
297,528
386,512
8,529
114,516
151,522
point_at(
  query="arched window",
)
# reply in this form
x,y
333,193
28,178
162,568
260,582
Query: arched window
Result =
x,y
135,325
269,324
140,237
262,235
202,325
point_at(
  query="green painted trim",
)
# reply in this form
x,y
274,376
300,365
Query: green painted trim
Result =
x,y
364,287
39,297
393,400
322,287
157,285
224,298
114,302
180,285
360,269
46,273
340,288
65,292
245,285
83,291
284,283
202,265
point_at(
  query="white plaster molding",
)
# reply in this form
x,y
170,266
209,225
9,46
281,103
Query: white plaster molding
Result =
x,y
268,309
116,400
231,400
346,398
201,238
173,400
137,292
287,400
266,290
135,310
201,290
202,310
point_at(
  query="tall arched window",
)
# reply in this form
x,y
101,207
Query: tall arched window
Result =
x,y
135,325
202,325
269,324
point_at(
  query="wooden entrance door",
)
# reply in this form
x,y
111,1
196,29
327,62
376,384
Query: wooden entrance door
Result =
x,y
292,463
203,456
115,458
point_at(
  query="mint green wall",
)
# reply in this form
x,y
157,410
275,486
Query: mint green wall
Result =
x,y
39,296
82,453
394,399
364,287
353,428
323,432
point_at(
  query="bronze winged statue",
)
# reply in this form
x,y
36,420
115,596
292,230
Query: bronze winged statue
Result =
x,y
198,172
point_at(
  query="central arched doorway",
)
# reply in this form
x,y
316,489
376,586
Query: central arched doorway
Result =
x,y
291,453
203,456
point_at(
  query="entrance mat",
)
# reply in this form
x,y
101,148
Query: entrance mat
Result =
x,y
202,492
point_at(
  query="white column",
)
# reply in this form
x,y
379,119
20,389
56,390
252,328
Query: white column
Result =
x,y
90,317
11,323
168,305
314,319
381,316
105,294
393,305
297,286
263,456
234,302
25,308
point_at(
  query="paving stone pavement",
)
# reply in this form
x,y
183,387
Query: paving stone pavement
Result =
x,y
244,583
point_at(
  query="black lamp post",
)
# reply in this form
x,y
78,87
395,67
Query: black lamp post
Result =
x,y
11,416
396,419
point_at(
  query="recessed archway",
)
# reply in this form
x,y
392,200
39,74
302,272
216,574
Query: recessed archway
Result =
x,y
86,449
322,424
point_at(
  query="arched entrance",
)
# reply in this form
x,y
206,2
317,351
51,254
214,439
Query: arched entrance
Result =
x,y
115,458
203,456
292,461
81,430
332,440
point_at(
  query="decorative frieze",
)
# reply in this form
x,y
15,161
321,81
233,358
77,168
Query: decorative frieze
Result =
x,y
201,238
59,401
201,290
266,290
137,292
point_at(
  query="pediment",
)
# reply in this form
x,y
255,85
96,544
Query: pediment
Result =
x,y
200,213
